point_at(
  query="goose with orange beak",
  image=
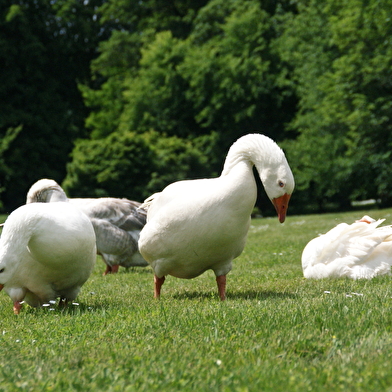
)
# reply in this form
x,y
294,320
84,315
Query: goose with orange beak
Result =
x,y
281,204
196,225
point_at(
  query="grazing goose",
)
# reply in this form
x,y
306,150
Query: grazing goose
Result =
x,y
117,223
359,250
196,225
46,251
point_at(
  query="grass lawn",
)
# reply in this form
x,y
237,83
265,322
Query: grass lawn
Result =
x,y
275,332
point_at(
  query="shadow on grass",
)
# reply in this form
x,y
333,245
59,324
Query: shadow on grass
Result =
x,y
136,270
243,295
261,295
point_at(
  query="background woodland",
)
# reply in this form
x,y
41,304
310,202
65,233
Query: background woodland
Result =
x,y
122,97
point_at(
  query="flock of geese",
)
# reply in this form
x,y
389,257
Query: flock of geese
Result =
x,y
48,246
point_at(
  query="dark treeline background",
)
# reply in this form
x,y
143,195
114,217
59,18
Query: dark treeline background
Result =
x,y
121,97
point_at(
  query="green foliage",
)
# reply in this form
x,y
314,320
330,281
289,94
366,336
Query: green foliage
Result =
x,y
178,159
152,16
276,332
45,48
117,166
213,82
119,68
134,165
313,74
5,144
221,78
342,79
229,67
155,96
318,183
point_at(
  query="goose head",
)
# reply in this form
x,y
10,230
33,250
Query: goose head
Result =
x,y
271,164
45,191
279,186
13,249
8,266
275,174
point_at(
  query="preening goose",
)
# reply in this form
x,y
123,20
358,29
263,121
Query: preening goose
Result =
x,y
117,223
46,251
196,225
359,250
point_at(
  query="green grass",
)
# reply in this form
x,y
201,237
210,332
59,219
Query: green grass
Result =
x,y
275,332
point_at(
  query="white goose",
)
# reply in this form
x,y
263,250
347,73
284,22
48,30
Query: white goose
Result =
x,y
196,225
359,250
46,251
117,223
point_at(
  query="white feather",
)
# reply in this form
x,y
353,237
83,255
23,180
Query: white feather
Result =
x,y
359,250
196,225
46,251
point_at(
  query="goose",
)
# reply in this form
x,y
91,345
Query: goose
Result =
x,y
117,223
201,224
359,250
46,251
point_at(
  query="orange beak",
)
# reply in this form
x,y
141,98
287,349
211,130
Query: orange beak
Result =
x,y
1,287
281,204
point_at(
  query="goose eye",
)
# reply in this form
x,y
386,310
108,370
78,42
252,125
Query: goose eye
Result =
x,y
281,183
2,270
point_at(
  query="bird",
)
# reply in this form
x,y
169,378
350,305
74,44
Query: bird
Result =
x,y
46,251
117,223
200,224
360,250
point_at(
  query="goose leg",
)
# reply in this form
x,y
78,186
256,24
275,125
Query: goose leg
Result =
x,y
17,307
158,282
111,269
63,302
221,282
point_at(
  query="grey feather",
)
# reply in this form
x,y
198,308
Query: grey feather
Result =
x,y
117,222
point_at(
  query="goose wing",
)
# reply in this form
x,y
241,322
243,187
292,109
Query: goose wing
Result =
x,y
112,239
343,248
123,213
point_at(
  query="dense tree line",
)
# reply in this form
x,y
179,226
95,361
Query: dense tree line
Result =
x,y
45,51
122,97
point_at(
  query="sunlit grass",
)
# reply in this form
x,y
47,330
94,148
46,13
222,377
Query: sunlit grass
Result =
x,y
275,332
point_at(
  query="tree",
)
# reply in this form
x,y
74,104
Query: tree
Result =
x,y
221,78
133,165
155,97
214,79
231,71
116,166
45,48
118,64
339,53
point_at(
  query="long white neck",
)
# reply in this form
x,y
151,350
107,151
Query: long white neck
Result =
x,y
263,153
254,149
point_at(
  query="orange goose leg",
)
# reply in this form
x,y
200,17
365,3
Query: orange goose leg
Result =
x,y
111,269
158,282
221,282
17,307
115,268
